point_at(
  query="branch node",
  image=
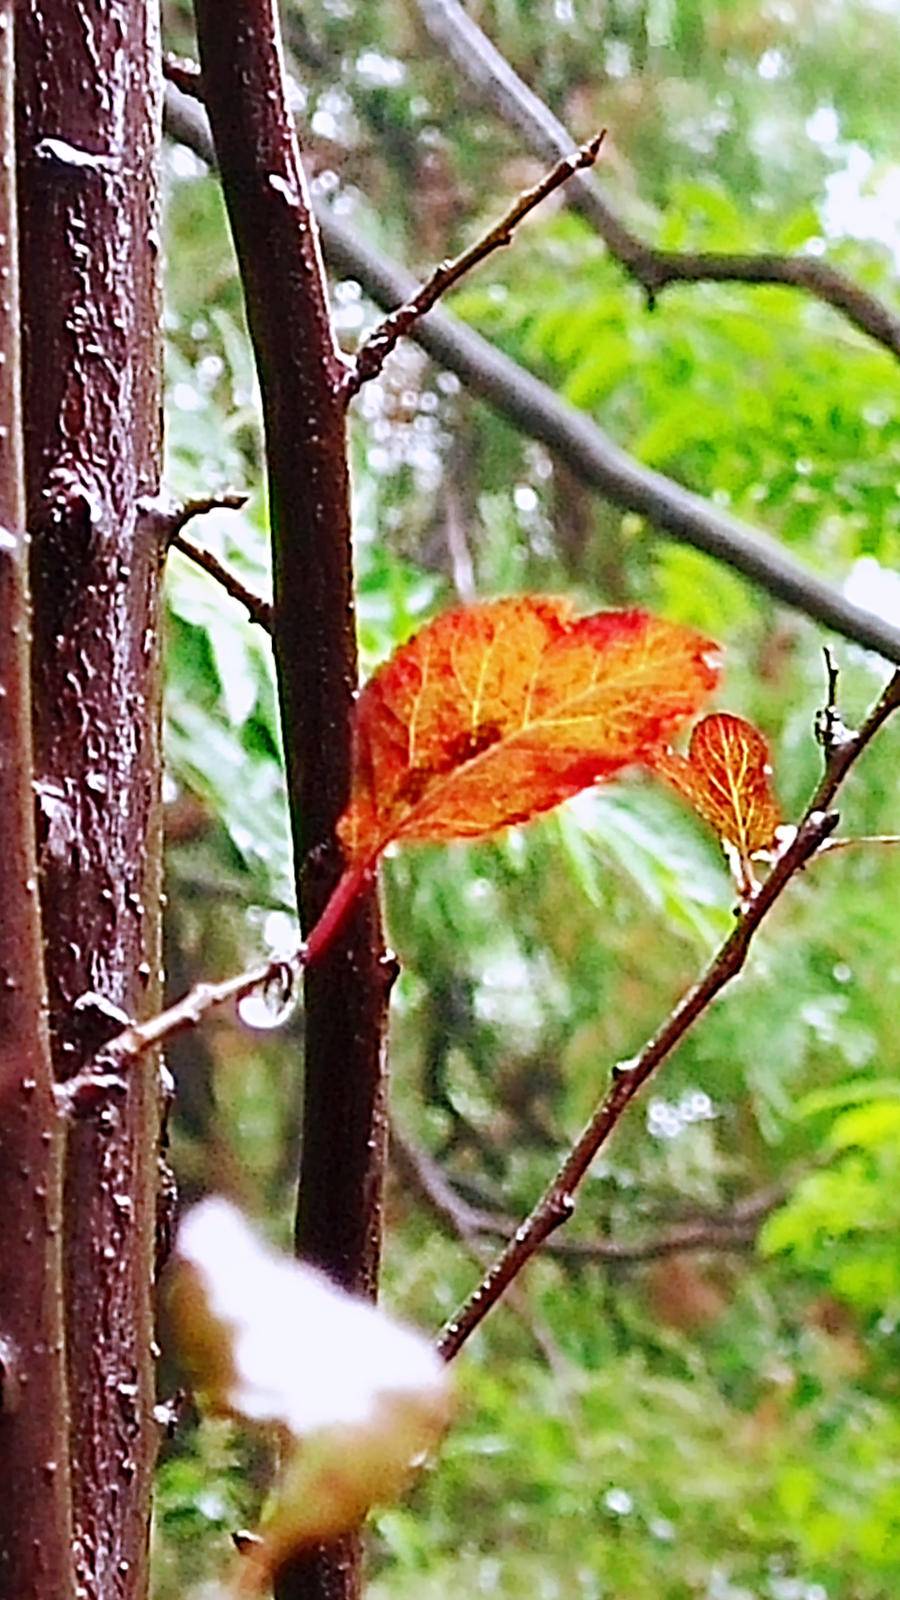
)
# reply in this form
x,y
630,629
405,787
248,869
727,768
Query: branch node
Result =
x,y
629,1077
165,518
79,1097
184,73
829,727
374,350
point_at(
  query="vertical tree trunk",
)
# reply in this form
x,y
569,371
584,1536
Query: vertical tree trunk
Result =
x,y
35,1559
339,1212
88,92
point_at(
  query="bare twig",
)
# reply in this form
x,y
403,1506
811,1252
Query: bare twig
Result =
x,y
862,838
829,729
258,610
490,75
194,1006
731,1229
425,1177
166,520
556,1204
590,453
197,1004
375,349
181,515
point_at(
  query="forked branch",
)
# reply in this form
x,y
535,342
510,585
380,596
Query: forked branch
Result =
x,y
374,350
168,522
557,1204
490,75
595,459
732,1228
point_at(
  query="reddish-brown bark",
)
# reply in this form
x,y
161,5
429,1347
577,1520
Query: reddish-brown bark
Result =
x,y
34,1507
88,137
301,374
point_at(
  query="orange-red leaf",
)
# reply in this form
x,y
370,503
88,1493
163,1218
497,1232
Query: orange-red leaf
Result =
x,y
496,712
726,776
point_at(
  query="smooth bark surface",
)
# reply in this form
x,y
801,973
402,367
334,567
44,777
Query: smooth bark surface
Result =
x,y
34,1506
88,139
301,373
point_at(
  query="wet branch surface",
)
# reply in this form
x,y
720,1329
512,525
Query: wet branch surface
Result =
x,y
487,73
165,523
593,457
258,610
377,346
35,1508
301,375
557,1203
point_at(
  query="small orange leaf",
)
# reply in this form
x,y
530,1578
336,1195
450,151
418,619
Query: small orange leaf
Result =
x,y
497,712
726,777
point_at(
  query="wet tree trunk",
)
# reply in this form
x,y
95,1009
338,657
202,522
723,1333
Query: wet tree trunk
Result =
x,y
34,1505
301,373
88,97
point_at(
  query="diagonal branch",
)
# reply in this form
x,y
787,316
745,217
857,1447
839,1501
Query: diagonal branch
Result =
x,y
732,1229
557,1204
376,348
597,461
258,610
590,453
492,78
166,521
204,998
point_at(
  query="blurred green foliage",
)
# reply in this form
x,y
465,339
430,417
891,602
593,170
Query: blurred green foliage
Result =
x,y
714,1426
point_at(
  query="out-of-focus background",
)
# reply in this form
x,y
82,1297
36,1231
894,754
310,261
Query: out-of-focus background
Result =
x,y
639,1422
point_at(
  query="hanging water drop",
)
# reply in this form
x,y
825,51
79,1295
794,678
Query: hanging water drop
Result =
x,y
271,1004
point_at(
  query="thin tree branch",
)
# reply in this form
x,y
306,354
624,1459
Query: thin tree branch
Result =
x,y
594,458
732,1229
375,349
258,610
166,522
170,521
599,462
557,1203
492,78
301,372
862,838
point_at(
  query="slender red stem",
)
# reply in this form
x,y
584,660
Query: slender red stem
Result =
x,y
353,883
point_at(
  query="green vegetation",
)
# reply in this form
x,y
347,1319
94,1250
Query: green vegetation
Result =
x,y
718,1425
